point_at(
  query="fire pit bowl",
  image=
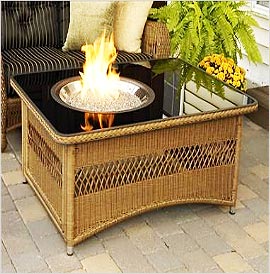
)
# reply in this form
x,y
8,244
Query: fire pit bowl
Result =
x,y
70,85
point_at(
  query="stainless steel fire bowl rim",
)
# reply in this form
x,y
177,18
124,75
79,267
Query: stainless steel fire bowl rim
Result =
x,y
144,93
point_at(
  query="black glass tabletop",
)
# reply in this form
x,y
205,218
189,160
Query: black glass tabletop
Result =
x,y
180,90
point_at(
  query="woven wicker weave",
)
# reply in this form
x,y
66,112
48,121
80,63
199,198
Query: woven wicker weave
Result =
x,y
155,42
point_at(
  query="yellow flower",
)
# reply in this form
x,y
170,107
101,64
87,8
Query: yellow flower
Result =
x,y
237,69
207,64
224,69
217,61
202,63
224,65
236,77
210,70
221,76
230,70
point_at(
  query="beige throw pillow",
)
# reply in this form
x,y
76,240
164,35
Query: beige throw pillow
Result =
x,y
129,21
87,22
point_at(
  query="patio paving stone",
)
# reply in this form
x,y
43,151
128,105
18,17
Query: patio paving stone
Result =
x,y
258,231
62,263
165,260
203,263
261,171
41,228
145,238
247,247
30,262
181,243
31,209
192,227
13,176
244,193
163,223
260,188
20,191
127,256
101,263
260,264
51,245
233,262
244,217
7,204
90,247
214,245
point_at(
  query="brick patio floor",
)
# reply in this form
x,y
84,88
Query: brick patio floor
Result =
x,y
184,238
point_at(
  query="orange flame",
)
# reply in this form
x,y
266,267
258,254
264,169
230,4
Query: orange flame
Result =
x,y
104,120
99,79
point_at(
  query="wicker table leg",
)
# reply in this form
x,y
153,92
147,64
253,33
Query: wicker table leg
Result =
x,y
69,250
232,210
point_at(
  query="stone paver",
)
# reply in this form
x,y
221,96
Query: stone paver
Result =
x,y
145,238
7,204
244,193
101,263
261,171
260,264
62,263
29,262
89,247
244,217
198,229
20,191
13,177
163,223
181,243
258,231
214,245
31,209
177,239
127,256
165,260
233,262
247,247
199,261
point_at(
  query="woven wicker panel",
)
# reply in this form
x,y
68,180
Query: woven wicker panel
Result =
x,y
195,163
156,39
109,175
45,166
14,113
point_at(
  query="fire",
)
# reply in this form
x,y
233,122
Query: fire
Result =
x,y
104,120
99,79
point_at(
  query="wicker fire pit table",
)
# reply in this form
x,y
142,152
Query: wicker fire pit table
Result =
x,y
183,148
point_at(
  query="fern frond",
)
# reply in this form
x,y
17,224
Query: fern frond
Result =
x,y
248,41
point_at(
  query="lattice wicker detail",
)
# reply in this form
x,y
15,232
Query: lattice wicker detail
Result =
x,y
95,178
45,154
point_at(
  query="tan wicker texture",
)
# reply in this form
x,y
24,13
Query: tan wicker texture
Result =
x,y
156,40
3,110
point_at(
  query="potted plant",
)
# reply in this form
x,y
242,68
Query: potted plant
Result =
x,y
201,28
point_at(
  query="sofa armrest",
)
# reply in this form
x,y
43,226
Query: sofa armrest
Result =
x,y
3,110
156,39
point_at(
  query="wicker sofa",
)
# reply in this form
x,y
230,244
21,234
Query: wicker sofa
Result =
x,y
33,33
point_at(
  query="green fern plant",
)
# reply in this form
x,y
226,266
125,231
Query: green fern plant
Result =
x,y
200,28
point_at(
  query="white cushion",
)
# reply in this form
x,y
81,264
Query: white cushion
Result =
x,y
87,22
129,21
